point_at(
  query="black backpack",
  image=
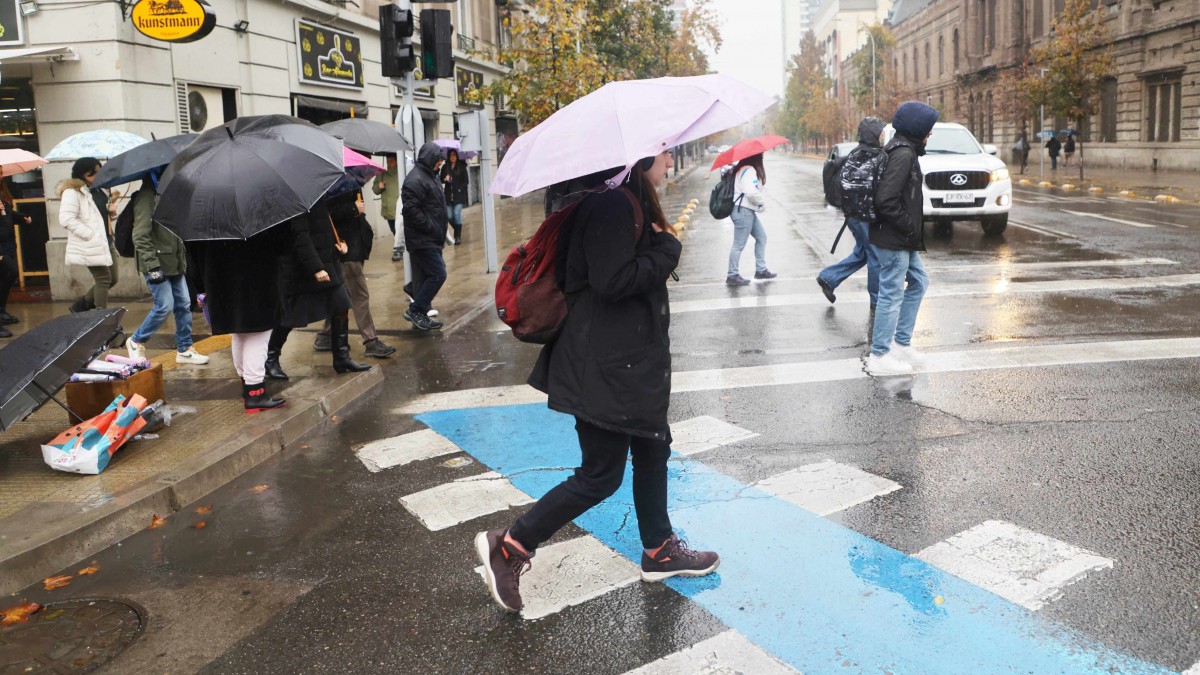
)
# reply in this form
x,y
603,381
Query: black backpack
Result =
x,y
830,176
123,230
859,178
720,201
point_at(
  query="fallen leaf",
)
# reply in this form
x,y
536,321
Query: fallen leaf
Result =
x,y
88,571
51,583
156,522
200,525
259,489
204,509
18,613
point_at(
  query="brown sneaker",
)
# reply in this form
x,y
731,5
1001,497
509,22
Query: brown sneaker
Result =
x,y
674,558
503,566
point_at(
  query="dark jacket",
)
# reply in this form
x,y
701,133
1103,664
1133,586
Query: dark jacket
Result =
x,y
309,249
611,365
1053,146
8,233
460,178
100,197
1070,146
156,246
424,202
241,279
899,199
352,227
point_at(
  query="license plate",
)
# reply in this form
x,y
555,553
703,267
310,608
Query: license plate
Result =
x,y
958,198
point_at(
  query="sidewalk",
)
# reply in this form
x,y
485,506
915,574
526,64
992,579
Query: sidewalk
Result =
x,y
1146,184
49,519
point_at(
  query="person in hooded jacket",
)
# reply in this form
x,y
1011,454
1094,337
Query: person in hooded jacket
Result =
x,y
610,368
89,243
423,203
869,132
898,236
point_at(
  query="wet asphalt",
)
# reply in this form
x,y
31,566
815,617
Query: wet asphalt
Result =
x,y
323,570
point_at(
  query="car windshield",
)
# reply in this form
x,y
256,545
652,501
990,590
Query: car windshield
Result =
x,y
952,142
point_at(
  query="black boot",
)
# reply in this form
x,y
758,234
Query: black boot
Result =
x,y
274,371
256,399
81,305
339,340
7,319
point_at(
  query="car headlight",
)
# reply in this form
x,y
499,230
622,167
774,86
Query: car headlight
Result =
x,y
999,175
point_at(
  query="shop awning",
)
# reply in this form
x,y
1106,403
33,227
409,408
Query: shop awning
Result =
x,y
334,105
37,55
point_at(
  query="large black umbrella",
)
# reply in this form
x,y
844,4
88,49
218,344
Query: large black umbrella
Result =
x,y
135,164
34,366
246,176
368,136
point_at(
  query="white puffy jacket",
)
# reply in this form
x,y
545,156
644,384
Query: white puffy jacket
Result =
x,y
748,192
87,238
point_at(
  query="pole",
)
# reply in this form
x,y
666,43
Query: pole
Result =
x,y
489,204
1041,134
874,67
407,108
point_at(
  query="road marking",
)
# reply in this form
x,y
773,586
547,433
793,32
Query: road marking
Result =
x,y
705,433
1194,670
806,372
401,450
1041,230
1134,223
571,573
827,487
729,652
810,592
1020,565
464,499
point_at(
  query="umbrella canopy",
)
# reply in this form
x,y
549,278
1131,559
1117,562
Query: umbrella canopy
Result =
x,y
34,366
246,176
748,147
138,162
101,144
359,170
1068,132
13,162
368,136
448,144
623,122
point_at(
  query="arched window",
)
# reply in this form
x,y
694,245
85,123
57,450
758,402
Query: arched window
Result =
x,y
1039,17
916,64
941,54
928,62
904,71
991,25
955,40
991,120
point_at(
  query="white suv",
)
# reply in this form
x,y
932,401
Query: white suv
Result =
x,y
963,180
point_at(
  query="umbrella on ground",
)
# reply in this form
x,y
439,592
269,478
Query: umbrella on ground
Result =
x,y
246,176
359,170
34,366
748,147
15,161
138,162
368,136
101,144
447,144
623,122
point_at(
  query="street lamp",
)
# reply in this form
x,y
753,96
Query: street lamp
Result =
x,y
1042,126
874,99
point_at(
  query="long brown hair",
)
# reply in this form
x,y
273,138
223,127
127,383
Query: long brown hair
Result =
x,y
5,193
755,161
641,186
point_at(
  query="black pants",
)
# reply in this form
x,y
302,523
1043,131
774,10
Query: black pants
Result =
x,y
601,473
429,273
279,336
8,276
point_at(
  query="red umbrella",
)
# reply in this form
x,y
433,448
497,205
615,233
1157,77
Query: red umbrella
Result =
x,y
747,148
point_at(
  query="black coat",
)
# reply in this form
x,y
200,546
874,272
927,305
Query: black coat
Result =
x,y
611,365
352,227
460,179
1053,146
8,233
241,279
424,203
309,250
899,198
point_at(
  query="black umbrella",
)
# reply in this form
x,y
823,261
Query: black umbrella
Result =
x,y
246,176
34,366
368,136
137,163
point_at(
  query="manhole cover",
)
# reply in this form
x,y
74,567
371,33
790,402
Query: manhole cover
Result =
x,y
73,636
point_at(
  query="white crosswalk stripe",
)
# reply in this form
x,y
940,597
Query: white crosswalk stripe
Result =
x,y
1017,564
727,653
404,449
1194,670
827,487
464,499
705,433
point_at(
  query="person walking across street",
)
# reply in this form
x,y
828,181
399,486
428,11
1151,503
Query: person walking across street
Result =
x,y
610,368
750,179
898,236
859,176
1068,149
1021,151
352,226
161,260
424,210
1052,147
89,243
387,186
456,178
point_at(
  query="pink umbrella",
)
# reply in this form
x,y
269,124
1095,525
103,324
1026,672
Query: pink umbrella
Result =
x,y
359,170
748,147
623,122
361,163
13,162
448,144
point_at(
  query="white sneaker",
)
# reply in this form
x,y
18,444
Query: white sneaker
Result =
x,y
191,356
431,313
888,364
908,354
137,350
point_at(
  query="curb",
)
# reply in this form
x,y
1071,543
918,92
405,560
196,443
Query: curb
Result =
x,y
89,532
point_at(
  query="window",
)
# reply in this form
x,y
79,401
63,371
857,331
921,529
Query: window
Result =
x,y
971,113
991,25
990,132
928,64
1039,17
955,40
981,26
1164,96
941,55
916,64
904,71
1108,110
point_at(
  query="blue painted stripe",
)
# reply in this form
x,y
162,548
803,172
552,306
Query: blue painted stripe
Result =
x,y
817,595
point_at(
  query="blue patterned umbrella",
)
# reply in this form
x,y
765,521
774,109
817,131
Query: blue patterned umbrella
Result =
x,y
101,144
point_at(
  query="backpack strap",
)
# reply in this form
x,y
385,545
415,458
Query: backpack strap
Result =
x,y
639,217
838,238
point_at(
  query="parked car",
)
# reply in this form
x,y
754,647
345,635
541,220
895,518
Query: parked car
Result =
x,y
963,180
840,150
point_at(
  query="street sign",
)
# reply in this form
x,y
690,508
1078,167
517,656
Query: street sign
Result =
x,y
329,57
173,20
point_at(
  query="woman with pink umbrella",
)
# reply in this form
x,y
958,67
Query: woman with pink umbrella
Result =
x,y
750,178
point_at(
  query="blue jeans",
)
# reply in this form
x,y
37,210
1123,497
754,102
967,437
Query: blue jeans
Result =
x,y
429,273
454,213
902,284
745,225
863,254
171,296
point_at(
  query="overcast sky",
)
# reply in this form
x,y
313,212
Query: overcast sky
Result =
x,y
753,43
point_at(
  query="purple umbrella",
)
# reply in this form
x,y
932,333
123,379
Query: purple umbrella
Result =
x,y
623,122
450,144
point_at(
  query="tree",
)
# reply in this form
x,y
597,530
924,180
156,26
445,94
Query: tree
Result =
x,y
866,61
809,112
699,28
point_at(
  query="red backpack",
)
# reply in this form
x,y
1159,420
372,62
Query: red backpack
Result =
x,y
528,298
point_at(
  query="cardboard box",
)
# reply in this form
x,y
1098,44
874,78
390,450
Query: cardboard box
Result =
x,y
88,399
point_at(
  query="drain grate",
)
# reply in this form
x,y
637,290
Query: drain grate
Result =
x,y
72,636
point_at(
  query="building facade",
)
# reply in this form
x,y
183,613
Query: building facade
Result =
x,y
840,26
81,67
796,18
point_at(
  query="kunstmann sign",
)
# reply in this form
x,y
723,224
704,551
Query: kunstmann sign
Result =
x,y
329,57
173,20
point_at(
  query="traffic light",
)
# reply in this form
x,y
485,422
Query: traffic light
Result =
x,y
395,41
437,50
